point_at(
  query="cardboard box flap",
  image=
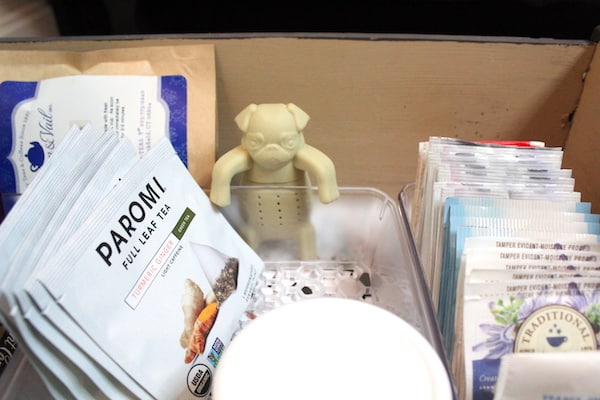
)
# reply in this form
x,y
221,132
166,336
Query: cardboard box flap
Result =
x,y
582,147
371,102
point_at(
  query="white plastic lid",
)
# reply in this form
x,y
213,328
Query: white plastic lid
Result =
x,y
330,348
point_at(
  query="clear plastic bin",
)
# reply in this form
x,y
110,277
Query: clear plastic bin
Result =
x,y
364,251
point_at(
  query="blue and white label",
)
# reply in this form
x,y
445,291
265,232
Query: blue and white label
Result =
x,y
35,116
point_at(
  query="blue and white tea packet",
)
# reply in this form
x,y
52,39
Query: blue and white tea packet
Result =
x,y
35,115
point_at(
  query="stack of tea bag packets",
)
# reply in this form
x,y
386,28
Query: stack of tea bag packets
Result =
x,y
511,256
109,267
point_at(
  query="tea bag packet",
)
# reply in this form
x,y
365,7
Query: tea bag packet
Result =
x,y
111,383
558,315
454,246
139,246
547,270
83,171
102,152
21,222
571,375
495,171
138,107
531,204
442,192
458,170
28,210
46,316
444,161
488,240
432,239
94,363
179,75
537,190
498,208
523,213
457,216
494,260
57,167
52,312
470,193
442,151
547,253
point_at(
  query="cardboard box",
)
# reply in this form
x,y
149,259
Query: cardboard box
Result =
x,y
373,98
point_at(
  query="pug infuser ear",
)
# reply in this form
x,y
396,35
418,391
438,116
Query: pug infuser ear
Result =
x,y
300,116
243,118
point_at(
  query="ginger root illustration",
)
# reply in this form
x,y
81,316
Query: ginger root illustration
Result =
x,y
201,307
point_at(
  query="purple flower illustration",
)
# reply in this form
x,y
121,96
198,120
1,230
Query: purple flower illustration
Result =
x,y
533,303
499,340
500,336
578,300
587,304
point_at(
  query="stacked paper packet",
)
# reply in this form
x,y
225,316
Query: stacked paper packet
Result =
x,y
510,254
119,278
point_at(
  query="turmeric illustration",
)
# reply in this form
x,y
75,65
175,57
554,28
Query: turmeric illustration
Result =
x,y
202,327
192,302
200,309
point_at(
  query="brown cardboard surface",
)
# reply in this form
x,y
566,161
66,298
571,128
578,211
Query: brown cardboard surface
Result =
x,y
372,101
582,149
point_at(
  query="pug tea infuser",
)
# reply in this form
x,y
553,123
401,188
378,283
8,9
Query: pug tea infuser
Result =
x,y
273,152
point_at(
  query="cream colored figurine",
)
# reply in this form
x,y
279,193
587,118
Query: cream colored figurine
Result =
x,y
273,152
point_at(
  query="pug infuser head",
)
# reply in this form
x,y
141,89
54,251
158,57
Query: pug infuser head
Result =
x,y
272,133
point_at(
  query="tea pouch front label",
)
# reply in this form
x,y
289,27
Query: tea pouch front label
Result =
x,y
528,316
159,279
35,115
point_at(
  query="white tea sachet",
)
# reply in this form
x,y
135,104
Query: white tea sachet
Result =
x,y
141,246
569,375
